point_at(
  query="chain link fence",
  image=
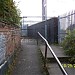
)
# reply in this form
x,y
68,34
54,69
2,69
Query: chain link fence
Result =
x,y
66,23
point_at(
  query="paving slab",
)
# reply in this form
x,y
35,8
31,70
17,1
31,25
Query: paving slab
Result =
x,y
53,67
57,49
29,62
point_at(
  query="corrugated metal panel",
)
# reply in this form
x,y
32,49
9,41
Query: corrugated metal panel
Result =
x,y
2,47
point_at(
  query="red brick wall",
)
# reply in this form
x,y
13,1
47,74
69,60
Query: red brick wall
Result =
x,y
12,39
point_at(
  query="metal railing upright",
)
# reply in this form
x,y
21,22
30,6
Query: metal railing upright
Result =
x,y
54,55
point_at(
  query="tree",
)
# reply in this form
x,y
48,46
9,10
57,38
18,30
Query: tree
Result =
x,y
9,12
69,45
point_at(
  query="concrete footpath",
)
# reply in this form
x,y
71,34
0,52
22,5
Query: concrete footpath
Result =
x,y
52,65
57,49
28,62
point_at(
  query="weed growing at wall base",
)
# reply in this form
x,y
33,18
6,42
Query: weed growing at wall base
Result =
x,y
69,45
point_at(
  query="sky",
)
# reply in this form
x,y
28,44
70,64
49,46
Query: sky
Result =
x,y
54,7
34,8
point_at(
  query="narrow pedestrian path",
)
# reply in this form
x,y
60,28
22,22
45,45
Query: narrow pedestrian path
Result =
x,y
29,62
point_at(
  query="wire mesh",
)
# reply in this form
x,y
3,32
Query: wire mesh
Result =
x,y
66,24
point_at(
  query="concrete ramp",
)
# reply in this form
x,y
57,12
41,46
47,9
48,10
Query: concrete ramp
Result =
x,y
29,60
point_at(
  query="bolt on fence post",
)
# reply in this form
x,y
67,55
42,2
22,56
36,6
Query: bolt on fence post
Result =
x,y
45,55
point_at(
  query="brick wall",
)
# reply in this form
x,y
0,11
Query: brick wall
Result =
x,y
12,36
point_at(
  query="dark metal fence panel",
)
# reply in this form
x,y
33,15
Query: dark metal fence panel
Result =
x,y
52,30
66,24
32,30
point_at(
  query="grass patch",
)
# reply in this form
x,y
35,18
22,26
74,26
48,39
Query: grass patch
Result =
x,y
44,69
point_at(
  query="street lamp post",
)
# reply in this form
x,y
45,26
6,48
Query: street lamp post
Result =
x,y
45,6
44,17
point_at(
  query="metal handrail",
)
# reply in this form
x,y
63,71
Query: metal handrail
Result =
x,y
3,64
54,55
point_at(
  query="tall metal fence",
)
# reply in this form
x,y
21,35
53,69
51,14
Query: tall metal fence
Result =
x,y
9,43
52,30
66,23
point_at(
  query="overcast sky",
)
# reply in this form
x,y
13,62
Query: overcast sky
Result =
x,y
54,7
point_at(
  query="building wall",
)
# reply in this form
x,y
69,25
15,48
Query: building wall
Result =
x,y
10,40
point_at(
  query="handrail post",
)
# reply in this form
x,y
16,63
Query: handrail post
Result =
x,y
37,38
54,55
45,55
